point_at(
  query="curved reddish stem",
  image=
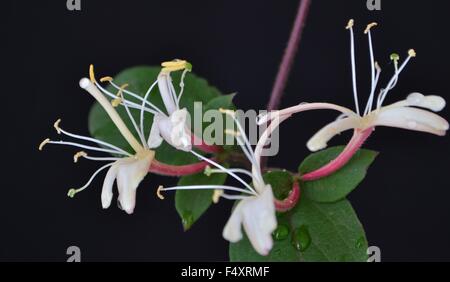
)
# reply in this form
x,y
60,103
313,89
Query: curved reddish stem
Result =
x,y
201,145
291,200
359,137
176,170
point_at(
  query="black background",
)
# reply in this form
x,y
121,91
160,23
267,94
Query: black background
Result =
x,y
236,45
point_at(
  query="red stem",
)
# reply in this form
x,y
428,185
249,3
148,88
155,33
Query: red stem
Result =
x,y
289,55
291,200
201,145
359,137
176,170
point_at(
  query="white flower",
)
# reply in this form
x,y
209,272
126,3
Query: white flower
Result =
x,y
403,114
170,125
256,209
127,169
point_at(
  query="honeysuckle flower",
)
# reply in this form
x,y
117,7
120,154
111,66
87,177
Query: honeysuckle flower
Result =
x,y
403,114
128,169
256,208
170,125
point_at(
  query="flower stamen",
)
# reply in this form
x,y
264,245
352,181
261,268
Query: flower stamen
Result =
x,y
158,192
43,143
353,63
71,193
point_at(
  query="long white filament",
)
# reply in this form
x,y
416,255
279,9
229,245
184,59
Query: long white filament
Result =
x,y
224,170
133,121
87,147
143,106
208,187
92,177
392,82
352,55
94,140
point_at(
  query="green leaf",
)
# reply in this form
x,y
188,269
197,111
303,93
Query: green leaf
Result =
x,y
281,182
315,232
223,101
139,79
337,186
311,231
191,204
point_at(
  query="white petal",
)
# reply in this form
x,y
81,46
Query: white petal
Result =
x,y
130,173
164,81
180,137
232,230
260,221
108,183
412,119
174,131
257,215
154,138
431,102
320,139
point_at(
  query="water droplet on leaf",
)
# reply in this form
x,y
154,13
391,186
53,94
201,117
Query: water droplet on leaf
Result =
x,y
301,239
281,232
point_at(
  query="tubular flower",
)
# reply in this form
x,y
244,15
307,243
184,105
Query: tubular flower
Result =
x,y
127,168
256,208
170,125
403,114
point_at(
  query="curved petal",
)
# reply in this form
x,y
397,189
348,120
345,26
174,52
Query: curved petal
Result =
x,y
260,221
257,215
430,102
130,173
108,183
412,119
320,139
232,230
179,135
154,138
173,130
165,89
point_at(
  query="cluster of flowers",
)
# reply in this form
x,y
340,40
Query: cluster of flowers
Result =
x,y
257,207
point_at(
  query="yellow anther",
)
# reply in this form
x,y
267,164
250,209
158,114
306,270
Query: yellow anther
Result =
x,y
91,73
395,58
106,78
43,143
412,53
350,24
232,132
116,102
216,196
56,126
369,26
208,171
79,155
227,112
176,65
158,192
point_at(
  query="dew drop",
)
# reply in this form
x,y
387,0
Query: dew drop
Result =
x,y
281,232
301,239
